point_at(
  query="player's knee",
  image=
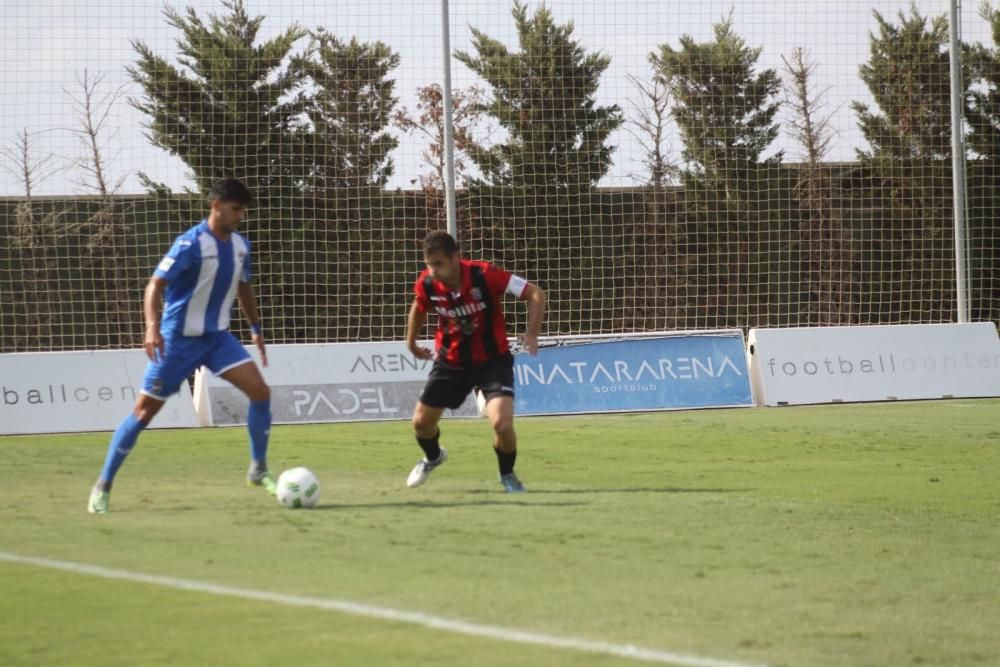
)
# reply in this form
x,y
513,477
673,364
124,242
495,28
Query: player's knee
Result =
x,y
264,393
420,424
424,426
259,393
146,412
503,424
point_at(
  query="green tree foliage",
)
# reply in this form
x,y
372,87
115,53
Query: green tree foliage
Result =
x,y
534,192
908,166
229,109
544,97
735,213
983,173
983,115
724,108
349,108
349,100
307,132
908,75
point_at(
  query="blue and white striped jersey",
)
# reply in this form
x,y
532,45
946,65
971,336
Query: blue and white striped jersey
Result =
x,y
202,274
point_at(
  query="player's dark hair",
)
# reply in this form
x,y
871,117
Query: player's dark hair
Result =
x,y
230,189
440,241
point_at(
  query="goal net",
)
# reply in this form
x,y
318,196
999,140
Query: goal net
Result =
x,y
652,164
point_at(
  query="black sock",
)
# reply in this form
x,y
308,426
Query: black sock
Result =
x,y
432,450
506,461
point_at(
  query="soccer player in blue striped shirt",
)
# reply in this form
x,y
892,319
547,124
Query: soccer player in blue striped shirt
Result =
x,y
196,280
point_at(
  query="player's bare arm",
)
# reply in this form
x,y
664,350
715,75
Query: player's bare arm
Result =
x,y
247,297
153,342
536,314
414,325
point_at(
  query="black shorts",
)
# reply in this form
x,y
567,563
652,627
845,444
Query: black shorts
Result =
x,y
448,386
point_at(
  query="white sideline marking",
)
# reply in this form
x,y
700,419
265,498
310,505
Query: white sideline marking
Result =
x,y
385,613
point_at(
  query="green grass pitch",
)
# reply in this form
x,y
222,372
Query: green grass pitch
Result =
x,y
849,535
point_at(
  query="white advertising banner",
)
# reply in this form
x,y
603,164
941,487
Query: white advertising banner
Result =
x,y
63,392
333,382
874,363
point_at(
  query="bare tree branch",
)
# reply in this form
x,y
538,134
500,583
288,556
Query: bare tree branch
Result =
x,y
652,109
828,258
33,242
811,130
429,122
20,164
93,109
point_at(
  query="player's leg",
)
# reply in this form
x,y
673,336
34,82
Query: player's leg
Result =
x,y
496,382
122,442
162,379
446,387
425,427
230,361
500,412
426,421
125,436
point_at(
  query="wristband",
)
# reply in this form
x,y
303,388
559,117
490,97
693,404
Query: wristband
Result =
x,y
255,328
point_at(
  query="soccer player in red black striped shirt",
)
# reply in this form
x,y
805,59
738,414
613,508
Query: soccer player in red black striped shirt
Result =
x,y
470,349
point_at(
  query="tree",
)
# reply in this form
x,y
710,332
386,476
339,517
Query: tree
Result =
x,y
983,176
429,122
555,149
652,117
233,108
92,106
349,109
348,101
33,247
106,255
544,97
27,169
826,254
984,99
725,109
648,264
908,75
908,160
730,227
230,109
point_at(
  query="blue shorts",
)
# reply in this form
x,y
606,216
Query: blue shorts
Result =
x,y
219,351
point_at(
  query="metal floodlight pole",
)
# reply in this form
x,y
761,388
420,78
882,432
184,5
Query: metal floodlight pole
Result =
x,y
449,135
958,162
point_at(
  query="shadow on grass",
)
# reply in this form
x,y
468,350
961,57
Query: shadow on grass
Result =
x,y
501,498
519,499
666,489
430,504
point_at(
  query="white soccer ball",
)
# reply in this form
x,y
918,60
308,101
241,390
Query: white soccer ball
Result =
x,y
298,487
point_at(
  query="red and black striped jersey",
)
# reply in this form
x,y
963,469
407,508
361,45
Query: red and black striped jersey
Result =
x,y
471,327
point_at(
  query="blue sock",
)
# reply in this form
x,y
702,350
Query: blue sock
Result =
x,y
259,425
121,444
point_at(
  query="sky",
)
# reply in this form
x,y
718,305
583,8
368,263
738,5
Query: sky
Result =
x,y
48,44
